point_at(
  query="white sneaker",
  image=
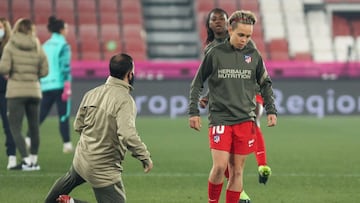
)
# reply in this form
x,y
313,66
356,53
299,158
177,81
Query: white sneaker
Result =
x,y
28,142
68,148
11,162
35,167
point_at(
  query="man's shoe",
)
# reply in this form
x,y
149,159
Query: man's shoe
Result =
x,y
244,198
64,199
264,174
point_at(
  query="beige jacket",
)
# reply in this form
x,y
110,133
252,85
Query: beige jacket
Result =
x,y
106,123
24,62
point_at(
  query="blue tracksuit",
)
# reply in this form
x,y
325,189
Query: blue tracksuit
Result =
x,y
58,53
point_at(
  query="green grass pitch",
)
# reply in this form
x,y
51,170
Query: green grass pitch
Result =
x,y
312,160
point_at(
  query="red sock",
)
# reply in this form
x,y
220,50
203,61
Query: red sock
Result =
x,y
232,196
214,192
227,173
260,148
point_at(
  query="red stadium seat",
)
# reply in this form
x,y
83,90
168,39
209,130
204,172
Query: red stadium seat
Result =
x,y
133,32
108,6
88,32
340,26
252,5
129,18
89,42
205,5
111,40
20,9
131,12
42,32
64,9
279,50
108,18
228,5
5,10
260,45
134,41
303,57
133,6
42,11
355,26
87,6
86,18
72,39
92,53
108,12
134,45
86,12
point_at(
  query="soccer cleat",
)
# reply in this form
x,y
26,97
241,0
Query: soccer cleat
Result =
x,y
64,199
264,174
244,198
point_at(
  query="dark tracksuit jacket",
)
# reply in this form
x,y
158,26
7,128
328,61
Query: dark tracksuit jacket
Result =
x,y
232,76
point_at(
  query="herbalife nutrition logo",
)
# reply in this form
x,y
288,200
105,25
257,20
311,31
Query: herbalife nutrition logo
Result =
x,y
234,73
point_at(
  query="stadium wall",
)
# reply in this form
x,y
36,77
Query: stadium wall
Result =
x,y
169,98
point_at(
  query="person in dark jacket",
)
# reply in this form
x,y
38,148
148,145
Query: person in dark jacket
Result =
x,y
5,32
233,71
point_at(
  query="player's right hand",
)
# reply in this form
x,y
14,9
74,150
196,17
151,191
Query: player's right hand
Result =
x,y
271,120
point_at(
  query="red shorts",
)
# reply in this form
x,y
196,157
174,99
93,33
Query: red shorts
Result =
x,y
259,99
235,139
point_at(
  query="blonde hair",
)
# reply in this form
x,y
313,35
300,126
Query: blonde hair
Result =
x,y
24,25
242,16
7,29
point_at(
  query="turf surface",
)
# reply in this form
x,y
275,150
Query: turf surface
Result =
x,y
312,160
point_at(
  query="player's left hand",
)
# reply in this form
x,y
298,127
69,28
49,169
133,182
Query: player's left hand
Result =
x,y
203,102
147,164
195,122
271,120
66,94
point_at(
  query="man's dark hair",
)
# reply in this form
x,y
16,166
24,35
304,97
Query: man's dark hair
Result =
x,y
120,64
210,32
55,25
